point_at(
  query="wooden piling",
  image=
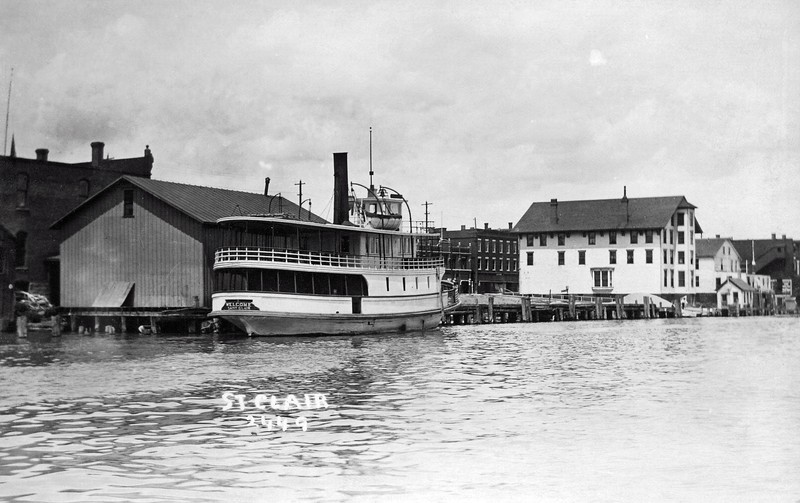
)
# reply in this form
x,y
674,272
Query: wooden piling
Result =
x,y
491,309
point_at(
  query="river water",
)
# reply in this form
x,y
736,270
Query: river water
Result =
x,y
654,410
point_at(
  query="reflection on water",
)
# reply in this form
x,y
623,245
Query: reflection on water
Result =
x,y
704,409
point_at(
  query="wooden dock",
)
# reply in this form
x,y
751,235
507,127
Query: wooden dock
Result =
x,y
499,308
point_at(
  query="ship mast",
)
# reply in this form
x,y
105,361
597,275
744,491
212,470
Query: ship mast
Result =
x,y
8,108
371,186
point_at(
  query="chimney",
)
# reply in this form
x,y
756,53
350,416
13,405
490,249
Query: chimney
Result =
x,y
41,154
717,236
266,186
784,236
510,225
486,226
554,211
97,152
463,227
773,235
147,153
627,205
340,192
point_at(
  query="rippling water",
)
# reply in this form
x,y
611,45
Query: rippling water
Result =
x,y
693,409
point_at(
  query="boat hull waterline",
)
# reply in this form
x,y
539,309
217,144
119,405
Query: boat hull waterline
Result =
x,y
280,324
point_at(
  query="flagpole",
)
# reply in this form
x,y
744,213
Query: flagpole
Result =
x,y
8,108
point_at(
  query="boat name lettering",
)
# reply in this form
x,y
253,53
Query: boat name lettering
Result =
x,y
239,305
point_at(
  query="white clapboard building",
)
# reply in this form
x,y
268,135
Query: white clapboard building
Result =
x,y
609,246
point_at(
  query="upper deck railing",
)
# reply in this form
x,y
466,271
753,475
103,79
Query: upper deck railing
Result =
x,y
313,258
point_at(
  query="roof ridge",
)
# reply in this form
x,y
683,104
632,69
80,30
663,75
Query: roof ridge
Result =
x,y
189,185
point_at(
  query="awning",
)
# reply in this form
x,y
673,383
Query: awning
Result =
x,y
113,294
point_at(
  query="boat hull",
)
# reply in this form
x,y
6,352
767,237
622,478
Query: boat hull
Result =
x,y
281,324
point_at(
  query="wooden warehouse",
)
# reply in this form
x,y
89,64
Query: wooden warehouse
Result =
x,y
144,249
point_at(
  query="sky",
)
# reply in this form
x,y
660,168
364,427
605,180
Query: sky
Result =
x,y
480,108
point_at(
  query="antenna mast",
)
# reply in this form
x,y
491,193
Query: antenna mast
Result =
x,y
8,108
371,186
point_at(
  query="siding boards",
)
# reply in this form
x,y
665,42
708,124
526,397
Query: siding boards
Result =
x,y
164,262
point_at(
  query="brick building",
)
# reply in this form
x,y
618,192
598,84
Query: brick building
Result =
x,y
34,193
491,258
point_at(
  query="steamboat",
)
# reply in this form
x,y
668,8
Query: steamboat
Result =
x,y
361,273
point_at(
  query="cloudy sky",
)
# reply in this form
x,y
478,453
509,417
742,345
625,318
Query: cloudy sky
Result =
x,y
478,107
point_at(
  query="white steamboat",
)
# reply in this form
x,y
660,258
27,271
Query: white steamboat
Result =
x,y
360,274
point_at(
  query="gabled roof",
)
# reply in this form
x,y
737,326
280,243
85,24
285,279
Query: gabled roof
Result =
x,y
741,285
710,247
602,214
204,204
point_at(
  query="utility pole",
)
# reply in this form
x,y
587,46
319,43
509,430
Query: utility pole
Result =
x,y
300,199
426,204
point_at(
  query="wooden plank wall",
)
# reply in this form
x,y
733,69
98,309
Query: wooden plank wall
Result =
x,y
155,252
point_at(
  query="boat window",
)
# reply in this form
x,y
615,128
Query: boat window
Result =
x,y
270,280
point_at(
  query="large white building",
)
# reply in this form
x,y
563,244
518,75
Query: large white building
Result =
x,y
609,246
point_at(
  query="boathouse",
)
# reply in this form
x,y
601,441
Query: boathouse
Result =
x,y
735,294
609,247
145,248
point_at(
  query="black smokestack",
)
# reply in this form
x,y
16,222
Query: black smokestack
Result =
x,y
340,192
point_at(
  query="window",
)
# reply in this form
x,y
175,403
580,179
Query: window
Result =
x,y
681,278
592,238
530,258
648,236
665,258
680,218
697,281
542,239
494,246
664,239
561,258
387,284
83,188
127,204
22,190
666,275
612,256
681,257
612,237
671,257
581,257
671,236
22,245
648,256
634,237
630,256
681,235
404,284
719,283
529,240
691,257
603,278
561,239
672,278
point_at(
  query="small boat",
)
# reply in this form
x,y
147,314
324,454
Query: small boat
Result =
x,y
360,273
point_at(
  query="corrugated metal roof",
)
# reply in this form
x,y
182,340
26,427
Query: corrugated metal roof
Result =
x,y
208,204
205,204
601,214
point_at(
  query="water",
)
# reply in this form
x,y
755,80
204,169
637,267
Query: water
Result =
x,y
688,410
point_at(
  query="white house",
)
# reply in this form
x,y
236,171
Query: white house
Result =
x,y
717,260
736,292
609,246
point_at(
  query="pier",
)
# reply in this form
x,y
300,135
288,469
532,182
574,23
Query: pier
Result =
x,y
488,308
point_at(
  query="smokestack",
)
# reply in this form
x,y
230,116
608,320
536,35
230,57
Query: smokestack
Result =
x,y
554,211
97,152
266,186
486,225
41,154
340,192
